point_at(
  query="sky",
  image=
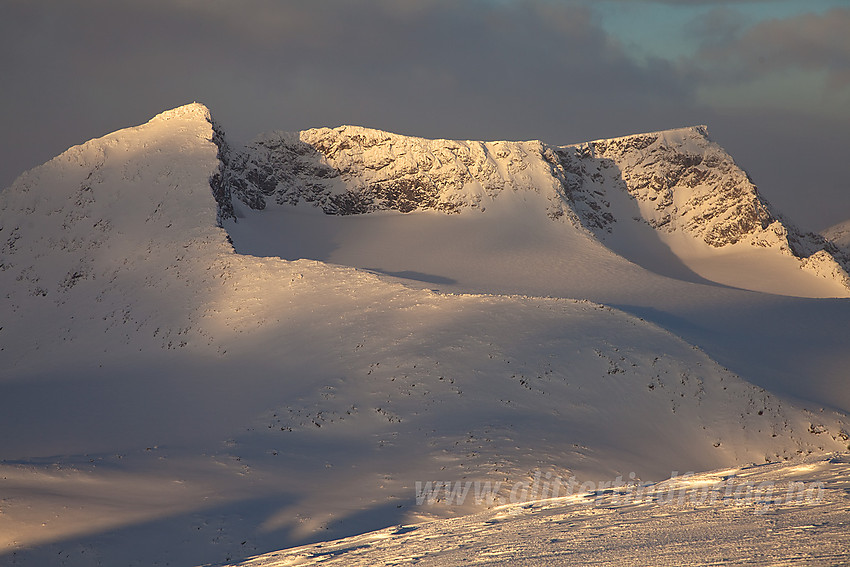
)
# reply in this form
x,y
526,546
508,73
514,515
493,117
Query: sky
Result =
x,y
770,78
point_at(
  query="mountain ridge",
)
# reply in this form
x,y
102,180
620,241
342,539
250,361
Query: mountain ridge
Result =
x,y
681,183
355,170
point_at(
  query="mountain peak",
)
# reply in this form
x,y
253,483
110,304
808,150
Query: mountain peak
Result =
x,y
194,110
678,183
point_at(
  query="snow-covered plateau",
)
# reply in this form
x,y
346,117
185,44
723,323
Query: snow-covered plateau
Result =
x,y
211,353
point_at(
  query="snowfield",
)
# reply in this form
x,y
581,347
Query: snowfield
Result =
x,y
195,354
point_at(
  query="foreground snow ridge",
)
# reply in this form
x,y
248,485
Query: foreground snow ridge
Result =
x,y
761,515
231,351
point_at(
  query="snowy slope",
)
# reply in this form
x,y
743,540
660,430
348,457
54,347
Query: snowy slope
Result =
x,y
158,386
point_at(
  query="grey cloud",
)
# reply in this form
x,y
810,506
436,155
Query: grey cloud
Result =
x,y
717,27
694,2
808,42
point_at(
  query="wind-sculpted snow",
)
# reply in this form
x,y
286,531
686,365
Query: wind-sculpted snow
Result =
x,y
157,385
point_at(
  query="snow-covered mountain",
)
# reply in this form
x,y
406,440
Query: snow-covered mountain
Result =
x,y
194,352
77,230
703,207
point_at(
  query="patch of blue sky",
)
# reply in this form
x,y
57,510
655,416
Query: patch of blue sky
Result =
x,y
670,29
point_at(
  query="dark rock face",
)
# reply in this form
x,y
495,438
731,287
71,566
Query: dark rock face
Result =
x,y
581,178
221,190
254,175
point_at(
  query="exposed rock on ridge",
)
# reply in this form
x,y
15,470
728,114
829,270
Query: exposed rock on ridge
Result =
x,y
351,170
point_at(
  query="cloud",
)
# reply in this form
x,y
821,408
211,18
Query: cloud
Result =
x,y
809,42
717,27
695,3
